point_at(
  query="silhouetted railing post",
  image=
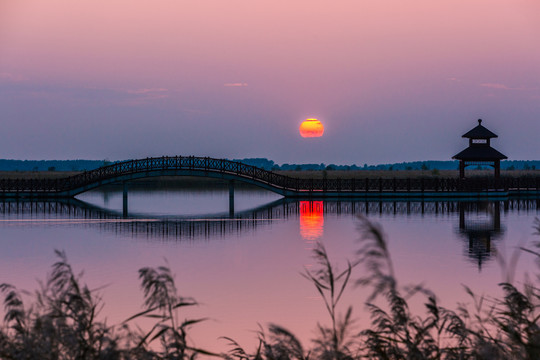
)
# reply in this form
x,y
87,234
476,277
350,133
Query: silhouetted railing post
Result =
x,y
231,198
125,199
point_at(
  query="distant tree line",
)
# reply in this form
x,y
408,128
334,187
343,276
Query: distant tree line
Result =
x,y
50,165
83,165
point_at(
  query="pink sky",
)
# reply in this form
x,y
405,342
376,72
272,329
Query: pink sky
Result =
x,y
391,81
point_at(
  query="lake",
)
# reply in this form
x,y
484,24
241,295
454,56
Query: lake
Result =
x,y
245,268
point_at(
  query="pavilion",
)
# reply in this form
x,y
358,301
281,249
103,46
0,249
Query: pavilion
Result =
x,y
479,151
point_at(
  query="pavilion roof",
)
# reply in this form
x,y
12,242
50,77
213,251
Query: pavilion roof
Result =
x,y
479,132
479,153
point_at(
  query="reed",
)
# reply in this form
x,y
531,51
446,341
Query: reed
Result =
x,y
504,328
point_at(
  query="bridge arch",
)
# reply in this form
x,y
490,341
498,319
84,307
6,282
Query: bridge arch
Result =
x,y
176,166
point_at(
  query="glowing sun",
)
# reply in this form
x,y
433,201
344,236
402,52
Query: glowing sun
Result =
x,y
311,128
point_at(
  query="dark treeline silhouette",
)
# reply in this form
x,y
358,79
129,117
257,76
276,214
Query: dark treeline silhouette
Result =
x,y
62,322
51,165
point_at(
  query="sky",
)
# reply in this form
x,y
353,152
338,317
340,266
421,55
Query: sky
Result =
x,y
391,80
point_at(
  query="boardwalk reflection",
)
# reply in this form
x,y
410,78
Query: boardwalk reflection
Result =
x,y
477,223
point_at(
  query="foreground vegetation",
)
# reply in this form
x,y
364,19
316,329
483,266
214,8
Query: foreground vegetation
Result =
x,y
62,321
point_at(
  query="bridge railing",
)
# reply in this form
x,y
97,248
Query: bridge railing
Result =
x,y
177,163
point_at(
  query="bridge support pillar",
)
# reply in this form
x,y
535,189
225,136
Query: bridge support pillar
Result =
x,y
106,198
231,198
125,199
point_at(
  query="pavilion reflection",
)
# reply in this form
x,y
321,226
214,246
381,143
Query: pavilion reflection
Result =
x,y
480,226
311,219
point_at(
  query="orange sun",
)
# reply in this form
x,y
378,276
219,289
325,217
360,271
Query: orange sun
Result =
x,y
311,128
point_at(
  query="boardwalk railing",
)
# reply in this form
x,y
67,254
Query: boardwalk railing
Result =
x,y
204,166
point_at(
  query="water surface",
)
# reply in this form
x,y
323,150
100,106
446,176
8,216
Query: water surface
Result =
x,y
245,269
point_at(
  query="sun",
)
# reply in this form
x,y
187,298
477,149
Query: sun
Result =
x,y
311,128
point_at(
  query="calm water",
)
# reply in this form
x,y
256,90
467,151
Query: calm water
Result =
x,y
245,269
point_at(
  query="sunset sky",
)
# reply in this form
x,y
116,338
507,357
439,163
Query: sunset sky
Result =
x,y
391,80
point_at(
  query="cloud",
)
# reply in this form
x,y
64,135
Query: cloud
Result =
x,y
83,95
495,86
504,87
146,91
235,84
10,77
142,96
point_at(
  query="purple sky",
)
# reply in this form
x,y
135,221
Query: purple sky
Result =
x,y
391,80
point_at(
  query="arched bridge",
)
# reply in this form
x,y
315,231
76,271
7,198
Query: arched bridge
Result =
x,y
151,167
281,184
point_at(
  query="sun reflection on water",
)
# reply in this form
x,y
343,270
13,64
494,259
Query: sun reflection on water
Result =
x,y
311,220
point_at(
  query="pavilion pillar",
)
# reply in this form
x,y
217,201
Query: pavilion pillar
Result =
x,y
497,167
461,169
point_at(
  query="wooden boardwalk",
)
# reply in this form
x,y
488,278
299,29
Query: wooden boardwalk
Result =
x,y
287,186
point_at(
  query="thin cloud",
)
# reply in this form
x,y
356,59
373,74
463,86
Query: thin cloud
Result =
x,y
10,77
143,96
146,91
495,86
87,95
235,84
500,86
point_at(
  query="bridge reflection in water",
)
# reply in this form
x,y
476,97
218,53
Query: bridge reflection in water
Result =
x,y
477,223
